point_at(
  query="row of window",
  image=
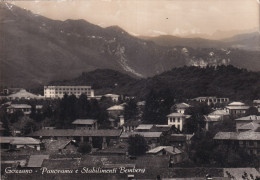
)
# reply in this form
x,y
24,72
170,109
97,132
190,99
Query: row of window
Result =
x,y
174,119
67,89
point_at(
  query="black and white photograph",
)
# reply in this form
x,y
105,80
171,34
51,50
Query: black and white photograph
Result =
x,y
130,89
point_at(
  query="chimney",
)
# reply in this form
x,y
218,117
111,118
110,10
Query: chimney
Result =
x,y
122,120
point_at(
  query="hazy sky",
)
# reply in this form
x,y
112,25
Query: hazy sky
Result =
x,y
155,17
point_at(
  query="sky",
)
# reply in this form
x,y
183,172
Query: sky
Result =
x,y
155,17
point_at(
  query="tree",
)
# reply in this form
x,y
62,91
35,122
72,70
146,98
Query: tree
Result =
x,y
3,117
29,128
137,145
131,110
158,106
84,148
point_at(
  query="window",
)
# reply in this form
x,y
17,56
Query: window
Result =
x,y
179,119
251,143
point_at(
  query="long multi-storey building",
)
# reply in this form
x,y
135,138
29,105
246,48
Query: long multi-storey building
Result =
x,y
59,91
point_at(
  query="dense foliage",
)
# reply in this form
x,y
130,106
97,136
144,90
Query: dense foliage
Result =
x,y
137,145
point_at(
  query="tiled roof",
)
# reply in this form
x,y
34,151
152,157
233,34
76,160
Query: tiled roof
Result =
x,y
84,121
23,94
144,126
54,145
237,107
248,135
37,160
145,134
219,112
18,106
75,132
116,108
19,140
236,104
249,126
169,149
182,105
249,118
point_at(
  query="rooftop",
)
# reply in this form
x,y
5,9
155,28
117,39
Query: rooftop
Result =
x,y
19,140
23,94
18,106
237,107
236,104
257,101
144,127
116,108
249,118
219,112
145,134
75,133
54,145
182,105
248,135
176,115
249,126
84,121
169,149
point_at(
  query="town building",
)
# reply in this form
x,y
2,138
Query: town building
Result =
x,y
114,97
181,107
256,104
247,119
223,113
211,100
177,120
85,124
59,91
25,108
19,142
79,135
211,121
116,111
23,94
176,155
237,109
144,127
248,140
131,125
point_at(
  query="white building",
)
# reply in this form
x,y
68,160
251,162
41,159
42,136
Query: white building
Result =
x,y
114,97
59,91
177,120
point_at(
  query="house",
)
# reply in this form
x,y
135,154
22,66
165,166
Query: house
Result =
x,y
64,146
19,142
223,113
59,91
25,108
144,127
85,124
23,94
256,104
178,140
176,155
114,97
181,107
116,111
131,125
80,135
252,126
151,137
211,121
177,120
247,119
211,100
248,140
237,109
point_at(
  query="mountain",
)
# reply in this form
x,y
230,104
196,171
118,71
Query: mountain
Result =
x,y
36,50
247,41
185,82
